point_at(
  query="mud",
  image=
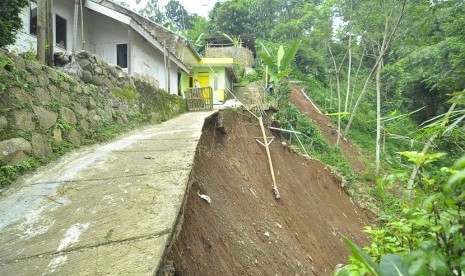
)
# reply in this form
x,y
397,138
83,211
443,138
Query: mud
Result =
x,y
245,231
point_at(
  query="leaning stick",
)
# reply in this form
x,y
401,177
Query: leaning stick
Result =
x,y
275,188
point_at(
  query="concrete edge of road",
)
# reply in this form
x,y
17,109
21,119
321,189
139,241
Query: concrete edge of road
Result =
x,y
164,266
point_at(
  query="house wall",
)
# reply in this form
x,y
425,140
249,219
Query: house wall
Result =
x,y
101,36
150,62
224,81
28,42
104,34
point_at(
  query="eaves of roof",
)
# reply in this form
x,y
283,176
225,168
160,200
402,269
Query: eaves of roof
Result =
x,y
137,23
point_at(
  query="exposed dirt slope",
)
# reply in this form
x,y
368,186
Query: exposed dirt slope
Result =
x,y
328,129
245,231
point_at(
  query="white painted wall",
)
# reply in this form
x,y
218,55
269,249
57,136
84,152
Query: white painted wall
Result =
x,y
101,36
27,42
149,61
104,34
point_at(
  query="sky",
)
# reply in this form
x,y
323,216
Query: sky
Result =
x,y
200,7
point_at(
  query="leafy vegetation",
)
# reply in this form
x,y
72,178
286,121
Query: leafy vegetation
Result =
x,y
10,22
421,236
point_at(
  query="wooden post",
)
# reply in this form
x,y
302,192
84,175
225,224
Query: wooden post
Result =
x,y
266,76
82,27
50,43
41,34
75,25
270,163
130,49
169,73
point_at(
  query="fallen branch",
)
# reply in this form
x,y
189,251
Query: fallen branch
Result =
x,y
275,187
314,105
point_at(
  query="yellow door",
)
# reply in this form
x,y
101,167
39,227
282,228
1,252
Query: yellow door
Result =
x,y
204,81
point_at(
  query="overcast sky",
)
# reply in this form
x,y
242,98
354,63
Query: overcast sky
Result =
x,y
200,7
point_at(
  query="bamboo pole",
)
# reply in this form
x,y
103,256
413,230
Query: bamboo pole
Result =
x,y
75,25
49,30
275,187
41,33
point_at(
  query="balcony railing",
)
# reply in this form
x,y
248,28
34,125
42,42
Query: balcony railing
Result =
x,y
199,98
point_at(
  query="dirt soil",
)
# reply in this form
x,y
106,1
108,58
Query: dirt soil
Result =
x,y
245,230
352,154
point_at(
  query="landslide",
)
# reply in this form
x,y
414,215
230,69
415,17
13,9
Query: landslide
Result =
x,y
245,231
350,152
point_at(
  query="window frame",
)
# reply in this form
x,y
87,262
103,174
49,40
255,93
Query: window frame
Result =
x,y
64,44
127,55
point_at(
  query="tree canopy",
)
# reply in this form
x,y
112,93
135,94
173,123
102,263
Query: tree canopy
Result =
x,y
10,22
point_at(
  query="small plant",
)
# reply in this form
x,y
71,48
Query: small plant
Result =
x,y
424,236
128,92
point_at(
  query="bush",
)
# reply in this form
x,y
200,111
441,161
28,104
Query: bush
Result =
x,y
10,22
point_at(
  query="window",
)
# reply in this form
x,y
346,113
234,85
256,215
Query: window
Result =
x,y
191,81
60,31
33,18
122,55
215,82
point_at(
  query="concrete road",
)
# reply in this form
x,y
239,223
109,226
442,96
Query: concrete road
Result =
x,y
105,210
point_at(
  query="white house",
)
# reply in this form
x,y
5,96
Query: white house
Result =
x,y
118,36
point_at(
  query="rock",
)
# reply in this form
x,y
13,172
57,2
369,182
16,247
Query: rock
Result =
x,y
77,89
64,85
3,122
54,92
74,137
68,115
33,66
86,76
83,55
21,95
80,109
43,80
113,71
92,102
98,70
31,79
96,80
51,73
14,151
108,83
40,145
42,95
84,124
19,62
23,119
85,64
96,119
124,117
155,117
57,135
64,98
47,119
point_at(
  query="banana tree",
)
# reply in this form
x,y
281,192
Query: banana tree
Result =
x,y
279,65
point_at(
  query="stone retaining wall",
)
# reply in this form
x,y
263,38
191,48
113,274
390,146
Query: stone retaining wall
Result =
x,y
45,112
241,55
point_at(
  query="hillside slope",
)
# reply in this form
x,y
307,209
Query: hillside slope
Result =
x,y
245,231
353,155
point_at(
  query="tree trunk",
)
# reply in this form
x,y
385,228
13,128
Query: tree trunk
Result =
x,y
387,39
378,116
349,69
336,70
427,146
41,33
50,44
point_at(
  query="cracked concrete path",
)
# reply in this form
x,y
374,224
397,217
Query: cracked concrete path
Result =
x,y
105,210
